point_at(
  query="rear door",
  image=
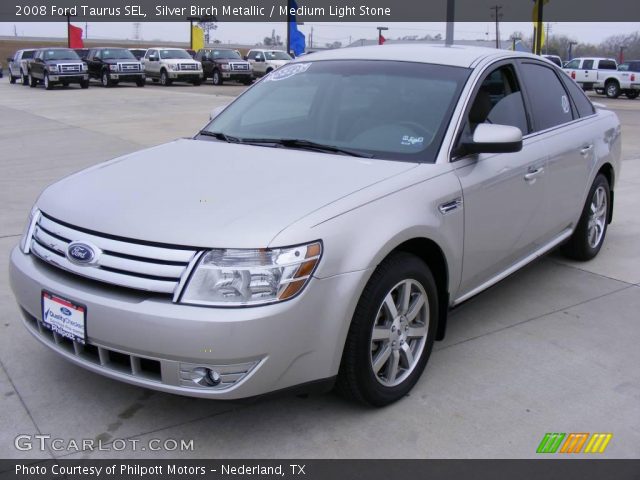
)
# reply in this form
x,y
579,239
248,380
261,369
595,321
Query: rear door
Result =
x,y
560,114
587,73
504,193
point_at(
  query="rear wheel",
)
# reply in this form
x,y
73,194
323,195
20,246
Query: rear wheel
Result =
x,y
612,89
588,237
632,94
84,84
392,332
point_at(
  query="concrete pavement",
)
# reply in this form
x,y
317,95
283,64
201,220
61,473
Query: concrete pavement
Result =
x,y
552,348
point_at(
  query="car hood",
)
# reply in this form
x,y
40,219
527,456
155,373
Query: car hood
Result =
x,y
209,194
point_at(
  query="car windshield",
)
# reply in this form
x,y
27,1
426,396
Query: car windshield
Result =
x,y
276,55
60,55
381,109
228,54
117,53
174,54
28,54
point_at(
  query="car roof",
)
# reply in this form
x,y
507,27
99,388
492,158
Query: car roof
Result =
x,y
453,55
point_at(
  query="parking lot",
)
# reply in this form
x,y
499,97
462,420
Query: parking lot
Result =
x,y
553,348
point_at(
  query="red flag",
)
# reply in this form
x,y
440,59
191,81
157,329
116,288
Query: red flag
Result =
x,y
381,39
75,37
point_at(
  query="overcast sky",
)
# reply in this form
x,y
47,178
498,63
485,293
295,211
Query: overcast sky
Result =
x,y
251,33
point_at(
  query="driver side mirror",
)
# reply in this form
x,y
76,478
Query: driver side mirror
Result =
x,y
492,138
153,58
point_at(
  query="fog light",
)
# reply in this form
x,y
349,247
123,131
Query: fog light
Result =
x,y
205,377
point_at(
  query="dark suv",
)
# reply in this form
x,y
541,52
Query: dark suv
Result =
x,y
114,65
53,66
221,64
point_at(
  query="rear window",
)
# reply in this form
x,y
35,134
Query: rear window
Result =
x,y
549,102
581,101
607,65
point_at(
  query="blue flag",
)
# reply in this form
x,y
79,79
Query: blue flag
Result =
x,y
297,39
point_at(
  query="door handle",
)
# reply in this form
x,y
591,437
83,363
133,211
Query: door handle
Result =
x,y
533,174
586,149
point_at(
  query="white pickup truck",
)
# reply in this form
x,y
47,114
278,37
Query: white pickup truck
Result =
x,y
603,76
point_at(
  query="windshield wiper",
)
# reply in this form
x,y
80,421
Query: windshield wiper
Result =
x,y
220,136
306,144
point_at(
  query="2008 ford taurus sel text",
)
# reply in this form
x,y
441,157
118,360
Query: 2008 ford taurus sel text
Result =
x,y
319,228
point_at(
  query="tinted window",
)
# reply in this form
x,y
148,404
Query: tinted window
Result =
x,y
607,65
587,65
401,112
60,55
573,64
550,104
499,100
581,101
28,54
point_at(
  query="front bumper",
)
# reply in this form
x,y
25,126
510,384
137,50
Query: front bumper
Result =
x,y
187,76
71,78
155,343
127,77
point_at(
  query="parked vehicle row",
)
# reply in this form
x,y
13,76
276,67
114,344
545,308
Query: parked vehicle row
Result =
x,y
605,76
164,65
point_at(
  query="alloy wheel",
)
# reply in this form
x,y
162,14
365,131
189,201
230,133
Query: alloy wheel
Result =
x,y
597,217
399,332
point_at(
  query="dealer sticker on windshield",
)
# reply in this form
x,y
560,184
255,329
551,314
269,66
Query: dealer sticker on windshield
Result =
x,y
63,317
412,141
287,71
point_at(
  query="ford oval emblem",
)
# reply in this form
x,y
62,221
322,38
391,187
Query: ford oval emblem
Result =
x,y
81,253
65,311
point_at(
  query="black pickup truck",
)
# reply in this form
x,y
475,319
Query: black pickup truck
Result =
x,y
114,65
52,66
222,64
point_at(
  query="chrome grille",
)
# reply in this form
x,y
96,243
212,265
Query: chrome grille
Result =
x,y
239,66
70,68
129,67
188,66
126,263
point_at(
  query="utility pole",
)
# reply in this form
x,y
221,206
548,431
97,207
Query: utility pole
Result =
x,y
86,30
451,8
571,44
497,15
514,40
311,38
546,43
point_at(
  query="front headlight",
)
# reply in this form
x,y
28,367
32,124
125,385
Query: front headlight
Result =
x,y
225,66
85,67
239,277
53,67
172,66
113,68
27,233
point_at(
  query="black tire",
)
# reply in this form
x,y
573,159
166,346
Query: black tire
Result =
x,y
47,84
105,79
33,83
84,84
356,378
612,89
12,79
269,70
216,77
25,78
579,247
141,82
165,81
632,94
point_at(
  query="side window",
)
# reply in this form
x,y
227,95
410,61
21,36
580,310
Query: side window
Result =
x,y
149,53
550,104
587,65
251,55
607,65
581,101
499,100
575,63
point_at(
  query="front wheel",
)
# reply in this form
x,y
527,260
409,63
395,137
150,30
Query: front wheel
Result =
x,y
12,79
392,332
47,83
141,82
632,94
588,237
84,84
105,80
165,81
217,78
